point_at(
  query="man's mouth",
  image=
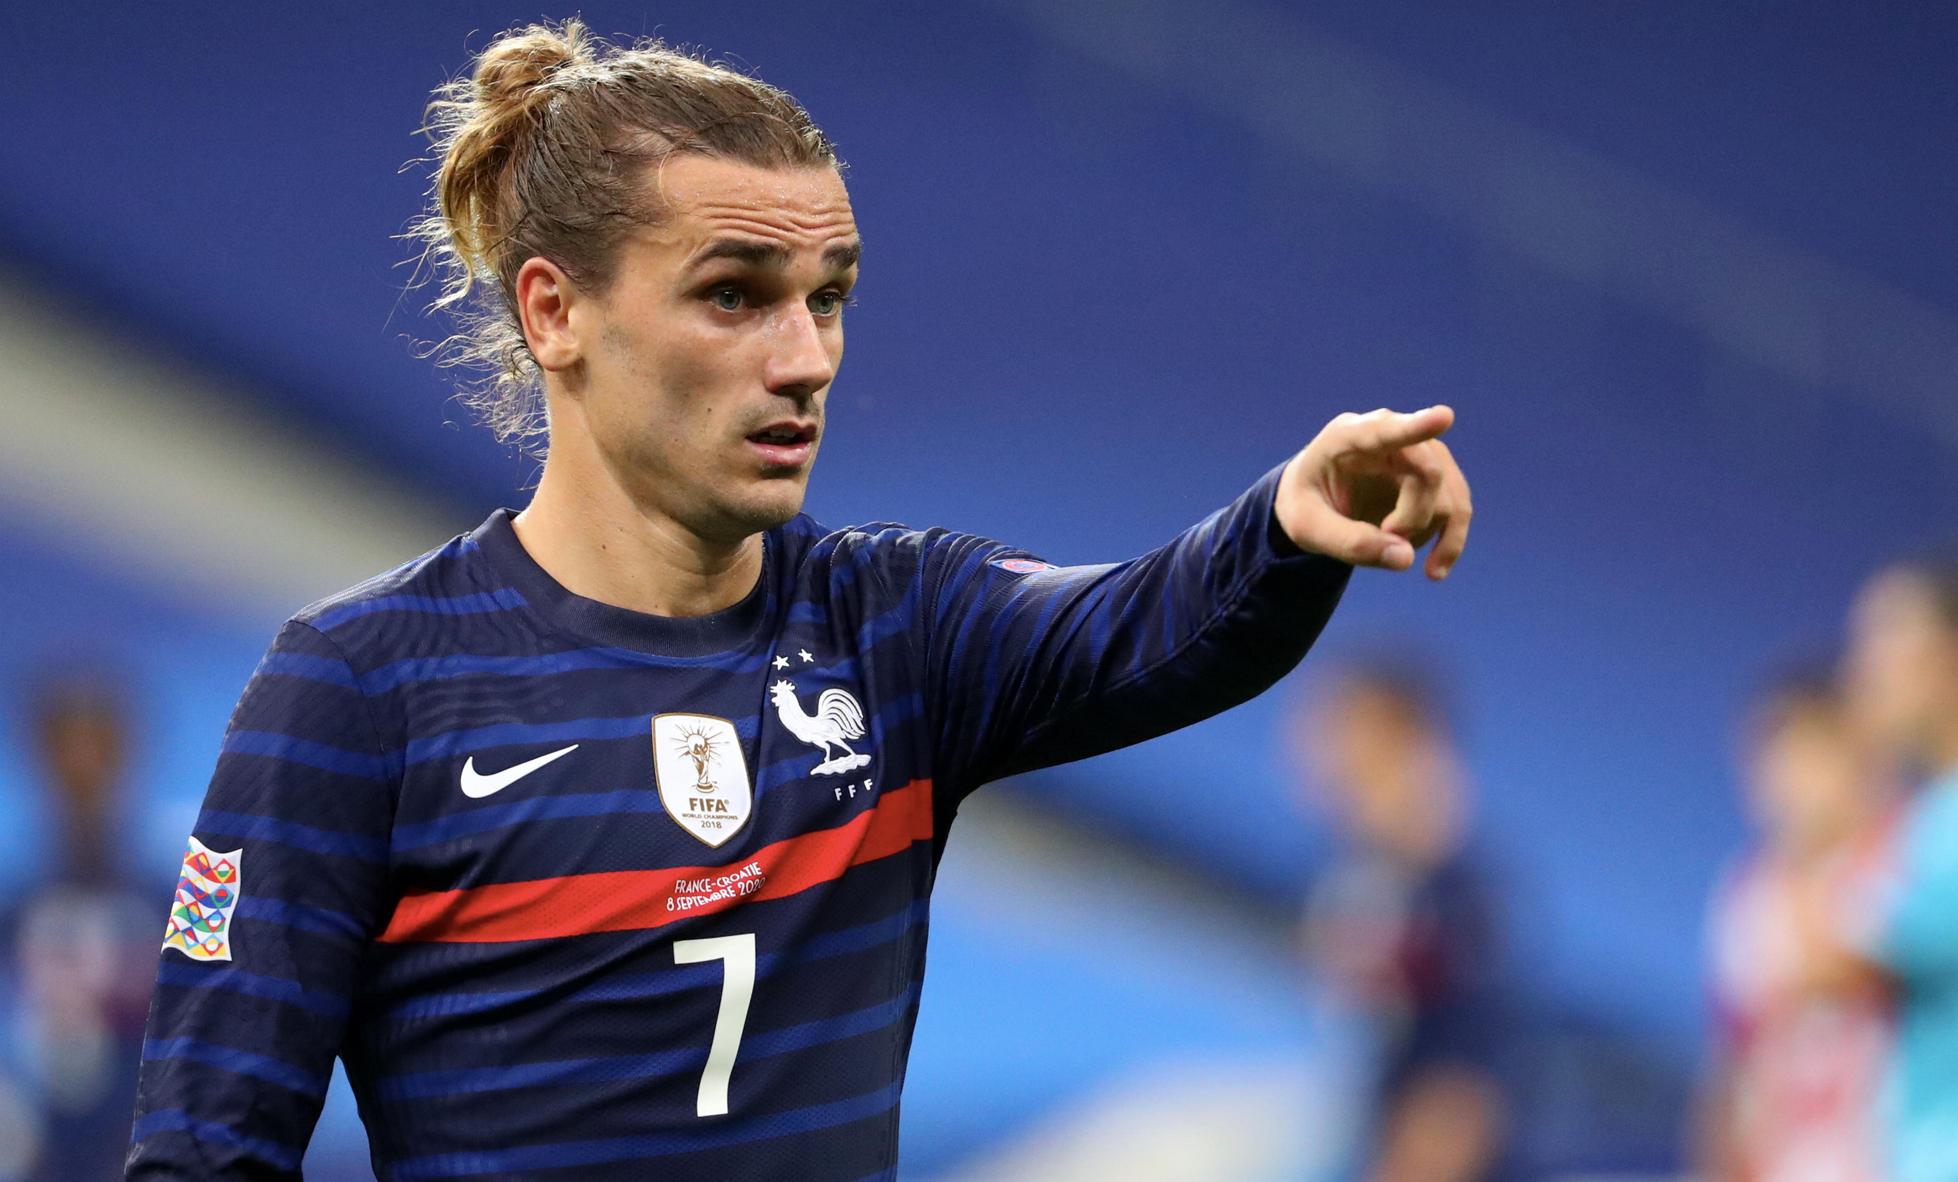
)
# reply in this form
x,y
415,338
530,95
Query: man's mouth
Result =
x,y
787,444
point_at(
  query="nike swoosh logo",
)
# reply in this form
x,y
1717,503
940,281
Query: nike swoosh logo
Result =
x,y
476,784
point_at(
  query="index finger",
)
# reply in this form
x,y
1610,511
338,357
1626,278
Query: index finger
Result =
x,y
1383,432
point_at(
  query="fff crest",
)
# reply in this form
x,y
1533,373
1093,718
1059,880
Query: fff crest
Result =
x,y
702,775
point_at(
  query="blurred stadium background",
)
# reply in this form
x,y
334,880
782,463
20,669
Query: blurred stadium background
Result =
x,y
1685,270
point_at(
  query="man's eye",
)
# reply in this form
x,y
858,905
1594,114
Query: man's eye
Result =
x,y
826,303
727,299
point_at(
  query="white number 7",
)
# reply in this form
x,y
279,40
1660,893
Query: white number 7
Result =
x,y
737,988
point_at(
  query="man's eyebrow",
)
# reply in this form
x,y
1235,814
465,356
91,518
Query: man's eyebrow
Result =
x,y
840,256
744,250
844,255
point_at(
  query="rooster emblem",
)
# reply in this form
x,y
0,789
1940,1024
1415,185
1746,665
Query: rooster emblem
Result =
x,y
837,720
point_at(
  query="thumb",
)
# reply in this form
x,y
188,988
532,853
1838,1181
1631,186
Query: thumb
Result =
x,y
1325,531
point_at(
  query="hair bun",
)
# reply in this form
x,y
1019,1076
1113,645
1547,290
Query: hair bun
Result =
x,y
515,65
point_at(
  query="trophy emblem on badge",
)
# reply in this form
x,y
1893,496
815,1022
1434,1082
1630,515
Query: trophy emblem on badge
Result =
x,y
699,747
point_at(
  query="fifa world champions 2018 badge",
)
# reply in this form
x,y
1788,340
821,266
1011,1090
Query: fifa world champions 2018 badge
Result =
x,y
701,775
207,894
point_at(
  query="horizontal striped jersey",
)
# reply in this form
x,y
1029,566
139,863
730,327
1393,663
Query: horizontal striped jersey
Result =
x,y
582,893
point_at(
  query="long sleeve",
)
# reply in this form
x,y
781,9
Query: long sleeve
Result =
x,y
1028,665
283,884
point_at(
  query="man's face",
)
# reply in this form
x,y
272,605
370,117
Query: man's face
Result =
x,y
1392,778
708,362
1810,782
85,750
1903,662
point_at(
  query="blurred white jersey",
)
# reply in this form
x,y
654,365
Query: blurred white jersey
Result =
x,y
1807,1071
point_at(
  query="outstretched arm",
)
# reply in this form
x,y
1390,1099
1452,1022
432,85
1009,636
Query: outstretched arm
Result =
x,y
1027,665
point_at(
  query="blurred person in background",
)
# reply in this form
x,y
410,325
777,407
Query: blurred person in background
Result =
x,y
1903,686
1402,924
1793,1097
81,941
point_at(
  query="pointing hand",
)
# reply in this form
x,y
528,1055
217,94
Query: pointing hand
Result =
x,y
1372,489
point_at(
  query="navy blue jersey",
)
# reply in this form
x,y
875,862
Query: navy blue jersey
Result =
x,y
580,892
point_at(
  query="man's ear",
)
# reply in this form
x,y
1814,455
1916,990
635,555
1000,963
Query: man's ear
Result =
x,y
545,296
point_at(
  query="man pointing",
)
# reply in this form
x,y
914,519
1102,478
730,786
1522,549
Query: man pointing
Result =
x,y
598,841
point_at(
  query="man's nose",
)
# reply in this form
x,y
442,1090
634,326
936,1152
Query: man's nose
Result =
x,y
799,362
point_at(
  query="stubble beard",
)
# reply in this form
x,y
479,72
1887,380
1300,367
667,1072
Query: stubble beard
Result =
x,y
731,508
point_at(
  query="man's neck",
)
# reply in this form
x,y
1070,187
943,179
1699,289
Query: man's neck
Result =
x,y
587,534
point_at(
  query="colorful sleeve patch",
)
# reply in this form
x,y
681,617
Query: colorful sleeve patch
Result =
x,y
207,894
1022,566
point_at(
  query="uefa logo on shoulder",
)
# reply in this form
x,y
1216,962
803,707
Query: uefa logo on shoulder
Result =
x,y
1022,566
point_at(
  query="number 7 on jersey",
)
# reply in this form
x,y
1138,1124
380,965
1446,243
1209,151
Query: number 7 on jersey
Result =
x,y
737,954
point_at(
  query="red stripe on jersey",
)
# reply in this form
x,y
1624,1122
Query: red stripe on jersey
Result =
x,y
627,900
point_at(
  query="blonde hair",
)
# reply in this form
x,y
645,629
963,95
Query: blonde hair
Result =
x,y
544,149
